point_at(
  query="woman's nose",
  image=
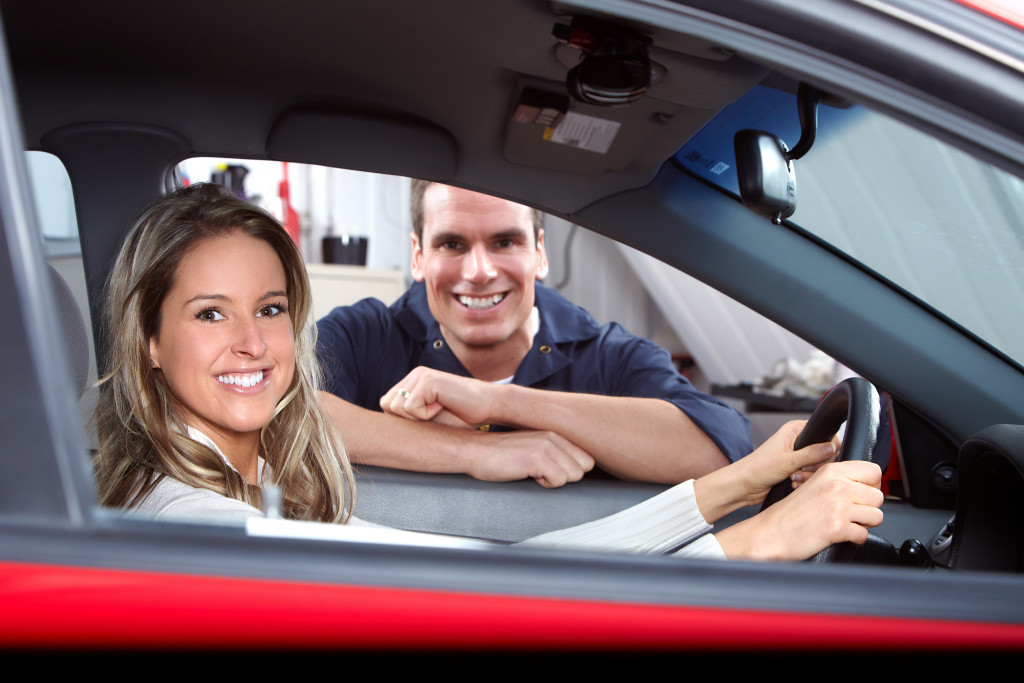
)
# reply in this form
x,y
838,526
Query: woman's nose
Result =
x,y
249,341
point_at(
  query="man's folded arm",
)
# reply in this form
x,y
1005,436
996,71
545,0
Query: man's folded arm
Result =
x,y
373,438
642,439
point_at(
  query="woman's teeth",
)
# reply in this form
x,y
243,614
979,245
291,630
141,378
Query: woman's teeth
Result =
x,y
246,380
481,302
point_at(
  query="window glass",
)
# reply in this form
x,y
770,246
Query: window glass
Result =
x,y
933,220
55,205
58,222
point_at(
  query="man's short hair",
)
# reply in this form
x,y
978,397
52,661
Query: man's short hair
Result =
x,y
419,188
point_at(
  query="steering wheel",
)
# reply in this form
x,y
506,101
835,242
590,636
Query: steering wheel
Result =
x,y
855,402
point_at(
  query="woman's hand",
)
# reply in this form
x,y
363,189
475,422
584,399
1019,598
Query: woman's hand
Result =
x,y
837,503
776,460
748,480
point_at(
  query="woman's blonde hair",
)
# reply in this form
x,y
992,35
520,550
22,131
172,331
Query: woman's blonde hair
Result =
x,y
142,436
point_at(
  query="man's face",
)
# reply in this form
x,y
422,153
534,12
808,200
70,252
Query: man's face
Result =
x,y
479,261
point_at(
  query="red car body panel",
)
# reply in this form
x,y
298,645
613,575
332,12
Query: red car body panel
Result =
x,y
75,607
1006,10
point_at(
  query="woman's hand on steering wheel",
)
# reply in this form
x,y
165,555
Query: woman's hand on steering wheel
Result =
x,y
748,481
778,459
837,504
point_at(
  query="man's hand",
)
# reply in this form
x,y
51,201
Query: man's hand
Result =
x,y
372,438
431,395
547,458
837,503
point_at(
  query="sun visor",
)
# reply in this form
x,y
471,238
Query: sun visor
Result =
x,y
365,142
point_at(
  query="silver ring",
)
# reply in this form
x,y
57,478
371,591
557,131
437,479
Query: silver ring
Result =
x,y
403,393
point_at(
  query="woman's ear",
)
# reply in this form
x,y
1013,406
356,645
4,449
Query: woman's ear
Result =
x,y
154,352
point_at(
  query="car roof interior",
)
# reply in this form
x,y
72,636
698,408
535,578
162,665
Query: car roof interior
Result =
x,y
277,83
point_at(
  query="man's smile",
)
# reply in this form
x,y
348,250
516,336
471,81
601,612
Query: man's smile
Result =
x,y
479,303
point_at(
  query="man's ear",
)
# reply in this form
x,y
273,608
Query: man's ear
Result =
x,y
542,257
416,266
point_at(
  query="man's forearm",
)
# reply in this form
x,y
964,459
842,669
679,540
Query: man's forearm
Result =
x,y
642,439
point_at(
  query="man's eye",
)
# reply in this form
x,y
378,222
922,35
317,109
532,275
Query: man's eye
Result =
x,y
210,315
506,243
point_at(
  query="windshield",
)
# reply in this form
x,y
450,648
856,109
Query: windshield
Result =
x,y
936,222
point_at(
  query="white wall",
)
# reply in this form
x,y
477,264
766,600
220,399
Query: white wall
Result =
x,y
329,201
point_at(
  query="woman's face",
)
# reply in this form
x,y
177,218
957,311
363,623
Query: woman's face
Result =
x,y
225,342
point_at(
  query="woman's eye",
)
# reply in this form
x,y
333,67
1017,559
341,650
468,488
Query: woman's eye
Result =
x,y
271,310
210,315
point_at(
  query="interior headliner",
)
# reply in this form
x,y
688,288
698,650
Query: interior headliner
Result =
x,y
169,66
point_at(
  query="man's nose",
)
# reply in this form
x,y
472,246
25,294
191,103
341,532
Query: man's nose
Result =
x,y
478,265
249,339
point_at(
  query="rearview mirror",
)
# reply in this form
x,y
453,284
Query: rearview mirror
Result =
x,y
766,175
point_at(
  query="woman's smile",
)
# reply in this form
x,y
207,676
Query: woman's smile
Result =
x,y
251,380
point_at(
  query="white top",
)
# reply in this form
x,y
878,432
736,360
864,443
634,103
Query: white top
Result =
x,y
654,526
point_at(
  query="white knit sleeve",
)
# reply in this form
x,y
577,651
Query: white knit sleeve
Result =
x,y
657,525
706,548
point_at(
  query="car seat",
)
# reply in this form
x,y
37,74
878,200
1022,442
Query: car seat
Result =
x,y
988,531
76,337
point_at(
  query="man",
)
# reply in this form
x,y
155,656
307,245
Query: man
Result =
x,y
476,343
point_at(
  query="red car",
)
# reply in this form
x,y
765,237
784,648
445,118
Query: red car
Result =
x,y
904,260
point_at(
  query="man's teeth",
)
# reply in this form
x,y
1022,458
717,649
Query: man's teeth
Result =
x,y
481,302
246,380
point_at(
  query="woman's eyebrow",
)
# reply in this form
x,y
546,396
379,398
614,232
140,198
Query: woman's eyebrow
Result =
x,y
223,297
208,297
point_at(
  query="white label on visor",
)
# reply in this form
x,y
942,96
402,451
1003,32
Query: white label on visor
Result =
x,y
586,132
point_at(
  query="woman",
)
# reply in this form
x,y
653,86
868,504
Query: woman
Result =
x,y
211,395
157,418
